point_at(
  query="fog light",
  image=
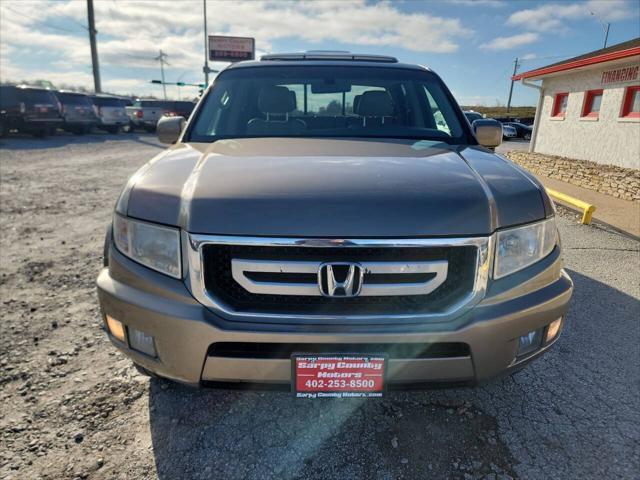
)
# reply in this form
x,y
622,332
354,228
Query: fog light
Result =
x,y
116,328
529,343
553,329
142,342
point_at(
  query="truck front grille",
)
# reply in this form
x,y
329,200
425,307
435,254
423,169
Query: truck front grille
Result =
x,y
221,285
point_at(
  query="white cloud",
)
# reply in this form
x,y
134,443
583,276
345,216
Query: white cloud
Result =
x,y
131,33
554,16
479,3
513,41
529,56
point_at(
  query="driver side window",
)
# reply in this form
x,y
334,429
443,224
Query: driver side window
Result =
x,y
438,116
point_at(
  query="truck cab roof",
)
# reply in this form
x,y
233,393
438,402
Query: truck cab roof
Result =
x,y
326,58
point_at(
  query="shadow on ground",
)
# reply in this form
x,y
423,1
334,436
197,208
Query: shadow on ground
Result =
x,y
571,414
247,435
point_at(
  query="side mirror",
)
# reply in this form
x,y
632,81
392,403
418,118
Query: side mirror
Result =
x,y
170,128
488,132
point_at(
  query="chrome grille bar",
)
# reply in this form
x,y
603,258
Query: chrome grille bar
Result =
x,y
241,267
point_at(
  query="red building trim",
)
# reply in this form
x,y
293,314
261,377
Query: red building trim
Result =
x,y
588,103
607,57
626,103
557,104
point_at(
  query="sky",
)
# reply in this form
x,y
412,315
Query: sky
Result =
x,y
471,44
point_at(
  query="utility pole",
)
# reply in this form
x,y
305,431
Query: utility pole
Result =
x,y
94,48
161,57
515,70
605,28
205,69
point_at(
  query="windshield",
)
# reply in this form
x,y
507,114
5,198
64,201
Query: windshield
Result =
x,y
107,101
328,101
72,99
31,95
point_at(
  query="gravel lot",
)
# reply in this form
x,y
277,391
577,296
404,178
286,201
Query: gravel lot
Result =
x,y
73,407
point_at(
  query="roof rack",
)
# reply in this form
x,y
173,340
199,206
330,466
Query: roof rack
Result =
x,y
329,55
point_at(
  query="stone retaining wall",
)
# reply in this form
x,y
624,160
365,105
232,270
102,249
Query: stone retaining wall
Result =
x,y
611,180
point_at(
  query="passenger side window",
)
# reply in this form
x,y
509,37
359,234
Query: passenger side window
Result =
x,y
215,118
438,116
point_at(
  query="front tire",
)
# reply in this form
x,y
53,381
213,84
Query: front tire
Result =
x,y
113,130
527,136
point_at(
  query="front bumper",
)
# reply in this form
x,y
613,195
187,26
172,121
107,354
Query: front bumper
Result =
x,y
184,330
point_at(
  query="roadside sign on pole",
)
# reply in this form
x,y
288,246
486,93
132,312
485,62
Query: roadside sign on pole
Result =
x,y
231,49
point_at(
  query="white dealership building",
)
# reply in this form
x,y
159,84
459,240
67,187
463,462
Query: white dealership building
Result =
x,y
589,106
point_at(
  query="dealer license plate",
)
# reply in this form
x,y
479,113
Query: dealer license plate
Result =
x,y
341,376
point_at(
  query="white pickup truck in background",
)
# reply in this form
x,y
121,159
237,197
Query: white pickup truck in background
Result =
x,y
144,114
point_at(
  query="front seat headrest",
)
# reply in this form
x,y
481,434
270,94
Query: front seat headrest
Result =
x,y
276,99
375,103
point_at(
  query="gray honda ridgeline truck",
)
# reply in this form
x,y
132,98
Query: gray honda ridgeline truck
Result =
x,y
324,206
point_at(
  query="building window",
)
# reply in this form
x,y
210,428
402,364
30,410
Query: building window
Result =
x,y
592,102
560,105
631,102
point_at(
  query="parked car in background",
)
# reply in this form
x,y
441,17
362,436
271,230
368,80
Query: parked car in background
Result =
x,y
182,108
29,110
522,130
508,131
144,114
77,112
111,112
473,116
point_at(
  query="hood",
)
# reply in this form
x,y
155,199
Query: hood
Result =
x,y
332,188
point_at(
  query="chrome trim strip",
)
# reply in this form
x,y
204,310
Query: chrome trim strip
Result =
x,y
193,244
241,266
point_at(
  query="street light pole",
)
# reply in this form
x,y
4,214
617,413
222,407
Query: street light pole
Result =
x,y
515,70
206,45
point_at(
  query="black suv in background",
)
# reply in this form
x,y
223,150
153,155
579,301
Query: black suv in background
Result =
x,y
523,131
77,112
29,110
182,108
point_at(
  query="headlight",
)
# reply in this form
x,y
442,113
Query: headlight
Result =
x,y
154,246
520,247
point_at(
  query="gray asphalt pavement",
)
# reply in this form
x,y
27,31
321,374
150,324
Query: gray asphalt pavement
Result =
x,y
571,414
515,144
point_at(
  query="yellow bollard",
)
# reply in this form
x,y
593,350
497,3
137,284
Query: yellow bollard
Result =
x,y
587,208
